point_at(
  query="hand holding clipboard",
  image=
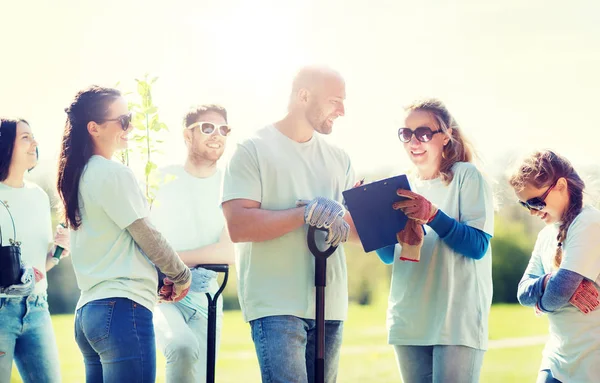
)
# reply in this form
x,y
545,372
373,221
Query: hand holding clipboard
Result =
x,y
377,222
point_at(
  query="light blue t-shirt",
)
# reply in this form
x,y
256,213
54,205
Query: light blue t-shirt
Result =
x,y
107,261
445,298
30,210
573,351
276,277
187,211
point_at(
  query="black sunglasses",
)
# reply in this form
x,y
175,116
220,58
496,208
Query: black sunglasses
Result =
x,y
537,203
422,133
124,120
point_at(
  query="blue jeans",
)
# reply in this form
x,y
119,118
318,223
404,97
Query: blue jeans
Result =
x,y
182,335
116,338
437,364
545,376
26,335
285,346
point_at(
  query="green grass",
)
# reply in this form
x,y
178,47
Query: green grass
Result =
x,y
366,357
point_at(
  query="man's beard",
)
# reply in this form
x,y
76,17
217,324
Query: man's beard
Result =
x,y
318,121
198,157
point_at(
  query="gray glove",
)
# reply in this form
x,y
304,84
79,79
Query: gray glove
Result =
x,y
201,279
321,212
26,286
328,214
338,232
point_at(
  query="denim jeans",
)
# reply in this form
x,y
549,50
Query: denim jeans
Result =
x,y
181,335
439,364
26,335
285,346
116,338
545,376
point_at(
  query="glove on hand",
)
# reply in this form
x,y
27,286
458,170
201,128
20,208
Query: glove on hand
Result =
x,y
321,212
328,214
411,240
585,297
415,207
201,279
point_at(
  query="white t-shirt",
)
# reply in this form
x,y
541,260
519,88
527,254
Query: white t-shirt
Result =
x,y
445,298
276,277
187,211
107,261
573,350
30,209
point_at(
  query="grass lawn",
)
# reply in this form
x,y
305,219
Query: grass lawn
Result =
x,y
365,355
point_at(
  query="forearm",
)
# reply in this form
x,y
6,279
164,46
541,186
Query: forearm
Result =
x,y
258,225
221,252
49,263
159,251
559,290
530,290
463,239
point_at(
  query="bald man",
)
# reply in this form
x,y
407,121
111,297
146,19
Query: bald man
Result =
x,y
282,163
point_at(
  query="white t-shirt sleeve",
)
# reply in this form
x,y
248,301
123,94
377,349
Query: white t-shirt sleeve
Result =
x,y
582,249
476,201
350,176
121,198
535,265
242,177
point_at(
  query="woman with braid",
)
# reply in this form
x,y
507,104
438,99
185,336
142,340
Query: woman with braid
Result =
x,y
114,245
563,274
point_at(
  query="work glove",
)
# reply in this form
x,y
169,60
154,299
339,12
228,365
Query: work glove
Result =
x,y
411,240
327,214
416,207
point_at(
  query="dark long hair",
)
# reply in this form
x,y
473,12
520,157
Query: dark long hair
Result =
x,y
90,104
541,170
8,134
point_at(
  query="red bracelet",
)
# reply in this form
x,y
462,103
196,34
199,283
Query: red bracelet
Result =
x,y
433,216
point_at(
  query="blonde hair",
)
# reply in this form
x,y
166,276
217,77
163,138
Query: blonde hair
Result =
x,y
542,169
459,148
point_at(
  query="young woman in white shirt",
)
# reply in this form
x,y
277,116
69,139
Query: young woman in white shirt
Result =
x,y
114,246
27,336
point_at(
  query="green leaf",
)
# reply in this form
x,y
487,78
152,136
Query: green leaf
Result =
x,y
150,166
153,80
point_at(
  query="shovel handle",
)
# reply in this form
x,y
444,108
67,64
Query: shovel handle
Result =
x,y
312,244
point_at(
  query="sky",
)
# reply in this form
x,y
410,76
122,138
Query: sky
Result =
x,y
517,75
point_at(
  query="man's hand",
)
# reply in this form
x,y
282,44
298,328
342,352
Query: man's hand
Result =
x,y
202,278
411,240
338,232
328,214
415,207
321,212
585,297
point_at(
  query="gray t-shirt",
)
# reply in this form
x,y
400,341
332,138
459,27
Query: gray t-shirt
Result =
x,y
276,277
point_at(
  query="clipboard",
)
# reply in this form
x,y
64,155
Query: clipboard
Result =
x,y
370,205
